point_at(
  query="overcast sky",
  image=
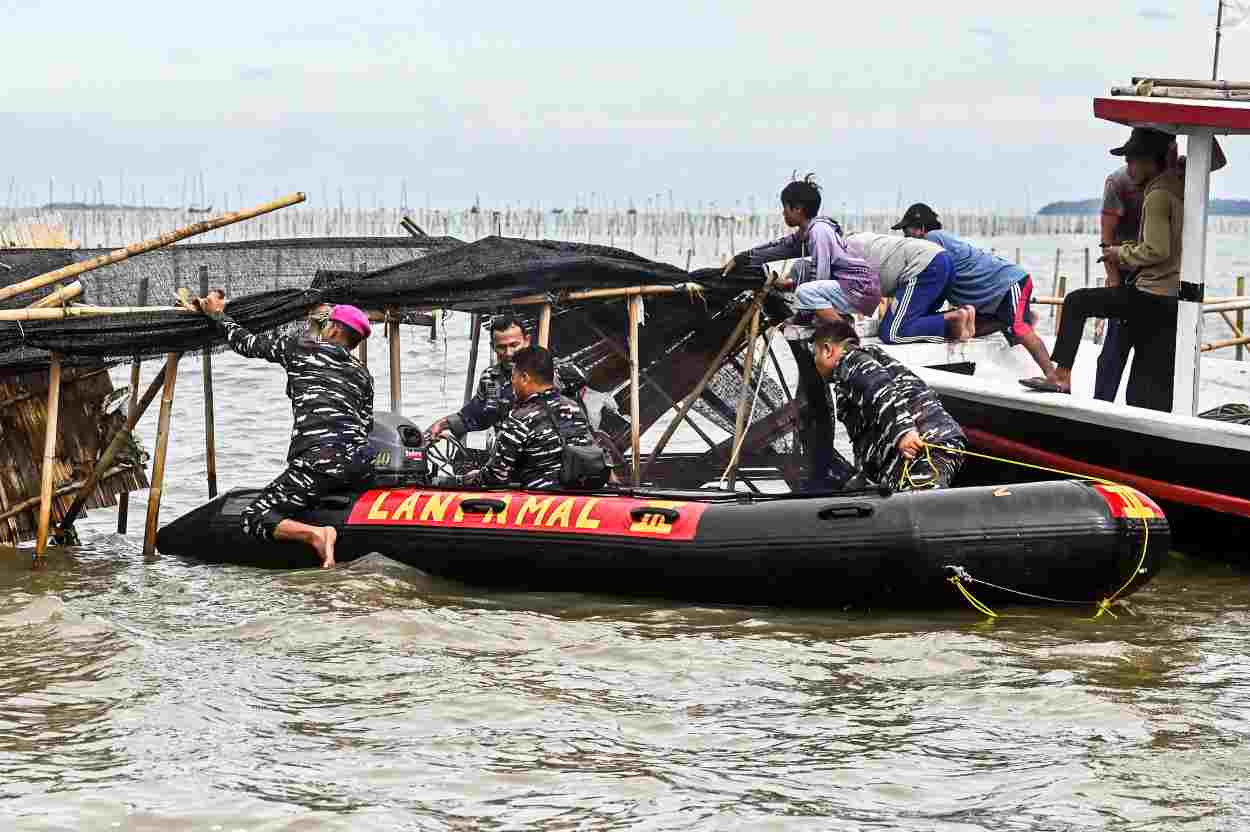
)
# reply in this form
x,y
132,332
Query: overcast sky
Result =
x,y
961,103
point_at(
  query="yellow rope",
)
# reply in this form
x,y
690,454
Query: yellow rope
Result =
x,y
1104,606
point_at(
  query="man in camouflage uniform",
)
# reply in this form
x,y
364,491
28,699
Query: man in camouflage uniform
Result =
x,y
892,416
530,450
495,397
331,397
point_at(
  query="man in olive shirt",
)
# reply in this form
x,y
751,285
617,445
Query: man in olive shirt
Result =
x,y
1149,305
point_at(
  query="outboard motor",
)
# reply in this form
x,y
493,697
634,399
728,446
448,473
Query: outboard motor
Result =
x,y
400,452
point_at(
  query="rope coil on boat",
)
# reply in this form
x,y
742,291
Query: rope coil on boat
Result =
x,y
960,574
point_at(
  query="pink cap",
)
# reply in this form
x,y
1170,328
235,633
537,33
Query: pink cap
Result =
x,y
353,318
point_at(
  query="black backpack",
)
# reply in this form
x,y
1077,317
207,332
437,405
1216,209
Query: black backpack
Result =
x,y
581,466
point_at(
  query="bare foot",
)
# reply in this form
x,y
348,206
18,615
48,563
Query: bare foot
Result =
x,y
970,322
324,545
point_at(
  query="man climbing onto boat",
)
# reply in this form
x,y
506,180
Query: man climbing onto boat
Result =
x,y
495,398
1149,305
331,396
829,282
991,286
897,426
542,431
916,275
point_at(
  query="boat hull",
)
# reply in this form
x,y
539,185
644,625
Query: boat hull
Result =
x,y
1065,540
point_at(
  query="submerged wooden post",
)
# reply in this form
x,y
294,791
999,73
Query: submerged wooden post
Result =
x,y
475,336
544,326
123,502
210,427
162,449
744,400
635,408
1241,293
392,334
49,456
362,351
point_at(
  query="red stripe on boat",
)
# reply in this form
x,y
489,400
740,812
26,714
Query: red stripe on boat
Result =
x,y
1212,500
529,512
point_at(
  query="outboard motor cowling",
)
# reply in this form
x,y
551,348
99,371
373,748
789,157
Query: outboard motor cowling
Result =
x,y
399,451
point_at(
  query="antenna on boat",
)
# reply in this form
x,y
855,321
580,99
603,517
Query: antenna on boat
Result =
x,y
1239,14
1219,22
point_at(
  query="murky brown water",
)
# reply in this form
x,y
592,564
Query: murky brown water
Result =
x,y
170,695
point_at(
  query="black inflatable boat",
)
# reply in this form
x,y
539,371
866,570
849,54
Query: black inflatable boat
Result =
x,y
1067,540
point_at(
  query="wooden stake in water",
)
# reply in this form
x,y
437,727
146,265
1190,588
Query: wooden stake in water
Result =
x,y
1054,286
49,456
1063,290
210,422
744,400
162,450
123,503
392,334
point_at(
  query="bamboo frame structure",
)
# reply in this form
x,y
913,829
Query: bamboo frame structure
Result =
x,y
392,335
84,311
210,422
31,502
162,449
608,294
693,396
75,269
110,453
635,403
123,502
49,456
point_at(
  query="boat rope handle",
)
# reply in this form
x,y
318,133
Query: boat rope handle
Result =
x,y
1104,606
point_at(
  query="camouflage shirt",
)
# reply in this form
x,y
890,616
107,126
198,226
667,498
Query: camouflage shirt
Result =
x,y
879,400
494,398
331,392
528,451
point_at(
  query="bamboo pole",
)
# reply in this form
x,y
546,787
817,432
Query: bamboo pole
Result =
x,y
61,296
392,335
83,311
75,269
694,394
98,473
210,422
1230,342
475,337
635,406
362,350
544,326
162,449
744,399
1055,284
123,502
1241,324
605,294
49,456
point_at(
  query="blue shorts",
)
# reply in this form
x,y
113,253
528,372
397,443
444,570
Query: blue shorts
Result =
x,y
823,294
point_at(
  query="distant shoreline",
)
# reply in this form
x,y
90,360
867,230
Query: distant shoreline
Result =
x,y
1085,207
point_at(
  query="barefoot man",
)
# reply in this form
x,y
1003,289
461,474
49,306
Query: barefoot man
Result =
x,y
332,401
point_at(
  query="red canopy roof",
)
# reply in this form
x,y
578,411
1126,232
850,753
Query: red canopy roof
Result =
x,y
1175,115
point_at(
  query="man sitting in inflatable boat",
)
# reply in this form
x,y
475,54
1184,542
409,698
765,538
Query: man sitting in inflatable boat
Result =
x,y
495,398
331,396
896,423
546,442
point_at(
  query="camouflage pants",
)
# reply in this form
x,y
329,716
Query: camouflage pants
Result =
x,y
307,479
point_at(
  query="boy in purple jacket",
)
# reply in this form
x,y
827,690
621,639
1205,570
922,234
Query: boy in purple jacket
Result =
x,y
829,282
